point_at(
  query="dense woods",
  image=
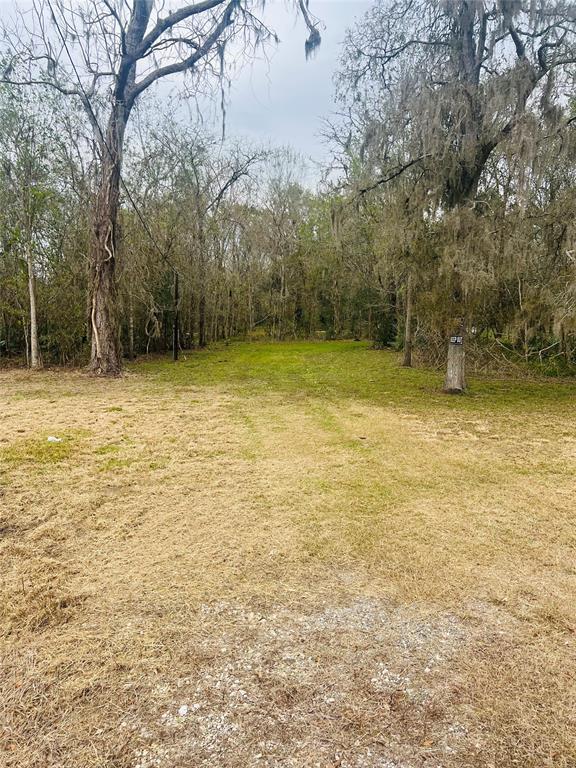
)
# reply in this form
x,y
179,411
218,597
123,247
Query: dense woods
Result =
x,y
447,213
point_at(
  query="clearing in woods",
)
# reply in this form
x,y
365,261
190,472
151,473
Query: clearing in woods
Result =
x,y
286,555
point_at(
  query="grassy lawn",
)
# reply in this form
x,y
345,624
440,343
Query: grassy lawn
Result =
x,y
287,555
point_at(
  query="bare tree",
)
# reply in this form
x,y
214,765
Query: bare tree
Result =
x,y
107,53
203,178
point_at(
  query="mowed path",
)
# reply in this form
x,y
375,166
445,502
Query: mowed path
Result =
x,y
286,555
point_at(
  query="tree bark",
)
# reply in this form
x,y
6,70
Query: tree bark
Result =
x,y
105,359
407,361
455,383
35,356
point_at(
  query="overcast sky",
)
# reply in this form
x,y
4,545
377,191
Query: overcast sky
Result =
x,y
283,98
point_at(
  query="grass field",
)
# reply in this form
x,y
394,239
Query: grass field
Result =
x,y
289,555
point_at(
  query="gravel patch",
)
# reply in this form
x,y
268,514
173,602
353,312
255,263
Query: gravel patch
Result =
x,y
365,685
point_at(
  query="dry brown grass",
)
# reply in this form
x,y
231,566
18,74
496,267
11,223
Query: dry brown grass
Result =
x,y
320,582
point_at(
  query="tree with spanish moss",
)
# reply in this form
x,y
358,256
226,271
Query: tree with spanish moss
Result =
x,y
435,88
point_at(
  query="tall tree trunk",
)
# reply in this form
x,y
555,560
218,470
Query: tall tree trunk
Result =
x,y
105,359
455,382
35,357
407,361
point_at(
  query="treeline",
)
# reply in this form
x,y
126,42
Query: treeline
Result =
x,y
251,251
256,254
446,220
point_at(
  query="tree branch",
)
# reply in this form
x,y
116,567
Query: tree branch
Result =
x,y
185,64
174,18
398,172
